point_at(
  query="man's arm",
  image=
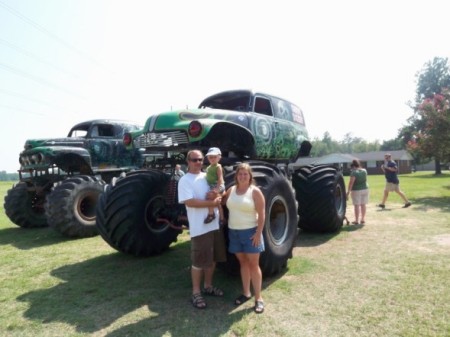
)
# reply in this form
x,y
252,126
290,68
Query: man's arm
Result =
x,y
198,203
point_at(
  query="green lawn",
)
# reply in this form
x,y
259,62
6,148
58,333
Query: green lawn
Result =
x,y
390,277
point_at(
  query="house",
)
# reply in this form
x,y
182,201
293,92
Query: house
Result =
x,y
371,161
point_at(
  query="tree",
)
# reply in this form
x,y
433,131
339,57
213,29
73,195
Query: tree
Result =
x,y
392,144
432,136
427,134
432,78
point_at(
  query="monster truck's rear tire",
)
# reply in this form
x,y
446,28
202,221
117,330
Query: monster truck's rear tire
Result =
x,y
128,210
70,206
24,208
281,226
321,198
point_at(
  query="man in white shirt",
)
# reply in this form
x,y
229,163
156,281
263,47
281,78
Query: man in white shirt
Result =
x,y
207,243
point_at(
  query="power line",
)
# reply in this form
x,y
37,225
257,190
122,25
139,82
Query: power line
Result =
x,y
22,110
47,32
37,58
39,80
31,99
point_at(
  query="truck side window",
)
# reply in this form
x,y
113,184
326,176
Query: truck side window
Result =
x,y
105,131
263,106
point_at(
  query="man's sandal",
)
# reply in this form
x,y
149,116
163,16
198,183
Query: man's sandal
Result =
x,y
212,291
241,299
209,218
259,307
198,301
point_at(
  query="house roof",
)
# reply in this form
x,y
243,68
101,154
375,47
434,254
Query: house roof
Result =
x,y
333,158
379,155
340,158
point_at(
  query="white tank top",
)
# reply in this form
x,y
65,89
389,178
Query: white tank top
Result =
x,y
242,212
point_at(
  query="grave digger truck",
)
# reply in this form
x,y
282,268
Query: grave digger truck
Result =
x,y
139,213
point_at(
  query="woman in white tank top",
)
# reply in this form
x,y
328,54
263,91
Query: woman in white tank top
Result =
x,y
246,206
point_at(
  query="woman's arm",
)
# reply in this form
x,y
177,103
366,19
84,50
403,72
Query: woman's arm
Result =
x,y
260,207
350,184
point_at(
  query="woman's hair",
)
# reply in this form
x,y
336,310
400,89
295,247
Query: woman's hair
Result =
x,y
355,163
246,167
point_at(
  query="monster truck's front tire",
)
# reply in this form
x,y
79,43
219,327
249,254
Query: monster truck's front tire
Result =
x,y
321,198
128,214
25,208
70,206
281,226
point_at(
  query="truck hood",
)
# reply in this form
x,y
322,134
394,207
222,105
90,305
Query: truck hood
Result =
x,y
66,141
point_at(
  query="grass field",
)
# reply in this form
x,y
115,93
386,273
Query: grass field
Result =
x,y
390,277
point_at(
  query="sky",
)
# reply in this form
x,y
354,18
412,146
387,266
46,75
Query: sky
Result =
x,y
350,65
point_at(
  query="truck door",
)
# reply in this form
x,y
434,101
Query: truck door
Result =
x,y
264,127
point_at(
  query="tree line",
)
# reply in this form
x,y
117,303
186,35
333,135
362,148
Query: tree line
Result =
x,y
349,144
4,176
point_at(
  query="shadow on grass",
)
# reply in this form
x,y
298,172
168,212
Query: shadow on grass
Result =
x,y
133,296
443,176
443,203
422,204
352,228
309,239
29,238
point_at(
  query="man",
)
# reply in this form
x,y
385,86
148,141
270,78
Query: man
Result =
x,y
392,182
178,172
207,244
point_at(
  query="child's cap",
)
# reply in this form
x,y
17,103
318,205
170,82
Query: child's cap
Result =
x,y
214,151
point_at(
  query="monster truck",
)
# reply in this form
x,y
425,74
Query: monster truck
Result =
x,y
60,179
139,213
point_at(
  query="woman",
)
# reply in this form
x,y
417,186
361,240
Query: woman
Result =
x,y
246,206
359,190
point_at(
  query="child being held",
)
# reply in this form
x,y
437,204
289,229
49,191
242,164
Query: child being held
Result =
x,y
214,176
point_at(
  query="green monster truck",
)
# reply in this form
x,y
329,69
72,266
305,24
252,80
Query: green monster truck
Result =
x,y
60,179
139,213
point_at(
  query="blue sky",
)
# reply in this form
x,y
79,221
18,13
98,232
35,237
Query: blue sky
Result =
x,y
350,65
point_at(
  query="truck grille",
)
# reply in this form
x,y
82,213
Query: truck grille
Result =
x,y
167,139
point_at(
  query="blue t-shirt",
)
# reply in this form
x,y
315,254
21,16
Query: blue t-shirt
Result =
x,y
391,176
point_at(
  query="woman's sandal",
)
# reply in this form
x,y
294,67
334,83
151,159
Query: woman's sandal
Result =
x,y
259,307
241,299
209,218
198,301
212,291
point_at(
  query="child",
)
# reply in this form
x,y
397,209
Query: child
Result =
x,y
214,176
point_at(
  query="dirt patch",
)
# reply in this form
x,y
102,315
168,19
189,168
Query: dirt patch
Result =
x,y
443,240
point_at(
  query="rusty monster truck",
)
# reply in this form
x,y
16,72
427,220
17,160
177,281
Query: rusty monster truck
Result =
x,y
139,213
60,179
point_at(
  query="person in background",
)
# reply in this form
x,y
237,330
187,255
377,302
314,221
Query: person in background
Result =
x,y
392,182
214,176
359,190
207,245
178,172
246,206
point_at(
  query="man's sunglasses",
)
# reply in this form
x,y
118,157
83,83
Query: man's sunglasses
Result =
x,y
196,160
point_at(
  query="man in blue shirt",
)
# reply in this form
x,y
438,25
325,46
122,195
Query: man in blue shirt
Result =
x,y
392,183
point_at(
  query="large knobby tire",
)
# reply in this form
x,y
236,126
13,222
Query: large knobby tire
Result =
x,y
70,206
24,208
281,226
321,197
128,210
